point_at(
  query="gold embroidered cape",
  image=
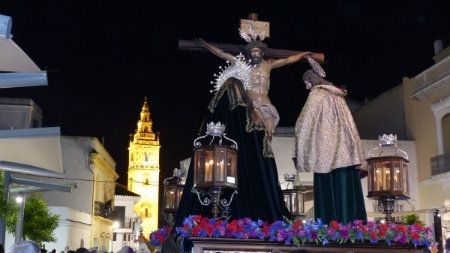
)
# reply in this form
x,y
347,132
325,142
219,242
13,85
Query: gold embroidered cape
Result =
x,y
326,137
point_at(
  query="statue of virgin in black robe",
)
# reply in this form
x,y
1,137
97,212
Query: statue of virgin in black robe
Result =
x,y
259,193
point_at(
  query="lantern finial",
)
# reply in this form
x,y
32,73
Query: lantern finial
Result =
x,y
387,140
215,129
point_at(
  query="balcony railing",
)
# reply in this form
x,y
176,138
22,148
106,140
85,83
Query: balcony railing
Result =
x,y
103,210
440,164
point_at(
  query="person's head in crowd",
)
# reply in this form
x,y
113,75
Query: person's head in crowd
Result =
x,y
82,250
25,247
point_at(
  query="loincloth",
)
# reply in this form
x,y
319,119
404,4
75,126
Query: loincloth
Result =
x,y
268,112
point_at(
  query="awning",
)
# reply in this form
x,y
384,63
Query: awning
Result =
x,y
38,147
22,70
14,59
23,79
26,185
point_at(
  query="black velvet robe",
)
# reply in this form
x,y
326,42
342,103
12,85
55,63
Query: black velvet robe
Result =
x,y
259,193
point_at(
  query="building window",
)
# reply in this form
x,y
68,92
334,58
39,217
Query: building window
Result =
x,y
445,123
114,237
146,212
441,162
146,181
120,215
441,112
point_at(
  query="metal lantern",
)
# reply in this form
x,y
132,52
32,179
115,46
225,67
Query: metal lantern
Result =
x,y
388,174
215,168
296,197
173,190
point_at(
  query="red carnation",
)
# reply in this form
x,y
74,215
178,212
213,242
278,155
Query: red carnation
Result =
x,y
297,224
418,225
265,230
209,230
402,228
335,225
196,230
196,218
373,235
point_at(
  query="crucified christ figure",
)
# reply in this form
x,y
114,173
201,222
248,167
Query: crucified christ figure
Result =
x,y
260,79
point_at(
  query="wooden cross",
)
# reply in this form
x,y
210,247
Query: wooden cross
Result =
x,y
236,49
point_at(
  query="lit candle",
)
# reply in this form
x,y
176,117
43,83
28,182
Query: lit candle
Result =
x,y
208,170
221,166
378,180
171,200
387,179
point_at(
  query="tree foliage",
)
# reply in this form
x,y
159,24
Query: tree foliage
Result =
x,y
38,223
7,207
413,219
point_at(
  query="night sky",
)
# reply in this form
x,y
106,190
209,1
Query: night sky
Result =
x,y
103,57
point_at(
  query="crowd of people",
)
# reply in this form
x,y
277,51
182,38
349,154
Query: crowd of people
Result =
x,y
33,247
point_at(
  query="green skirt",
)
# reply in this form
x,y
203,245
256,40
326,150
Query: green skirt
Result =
x,y
338,196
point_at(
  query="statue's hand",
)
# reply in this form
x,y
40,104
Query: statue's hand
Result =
x,y
200,42
305,54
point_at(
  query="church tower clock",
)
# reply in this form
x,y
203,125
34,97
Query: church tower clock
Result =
x,y
143,170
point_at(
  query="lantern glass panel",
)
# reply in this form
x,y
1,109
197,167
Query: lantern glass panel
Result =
x,y
200,162
383,176
294,202
299,202
287,201
231,166
209,165
179,195
169,198
386,177
220,156
405,177
397,175
378,177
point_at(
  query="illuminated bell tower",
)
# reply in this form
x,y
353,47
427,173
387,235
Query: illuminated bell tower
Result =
x,y
143,170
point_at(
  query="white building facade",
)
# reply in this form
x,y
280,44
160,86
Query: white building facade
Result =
x,y
127,223
85,213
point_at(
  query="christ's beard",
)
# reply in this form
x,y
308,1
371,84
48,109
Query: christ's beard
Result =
x,y
256,60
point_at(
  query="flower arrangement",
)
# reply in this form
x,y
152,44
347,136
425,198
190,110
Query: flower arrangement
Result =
x,y
300,232
158,237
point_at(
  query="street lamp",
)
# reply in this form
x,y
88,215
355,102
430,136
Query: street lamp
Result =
x,y
20,200
173,190
388,174
215,168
